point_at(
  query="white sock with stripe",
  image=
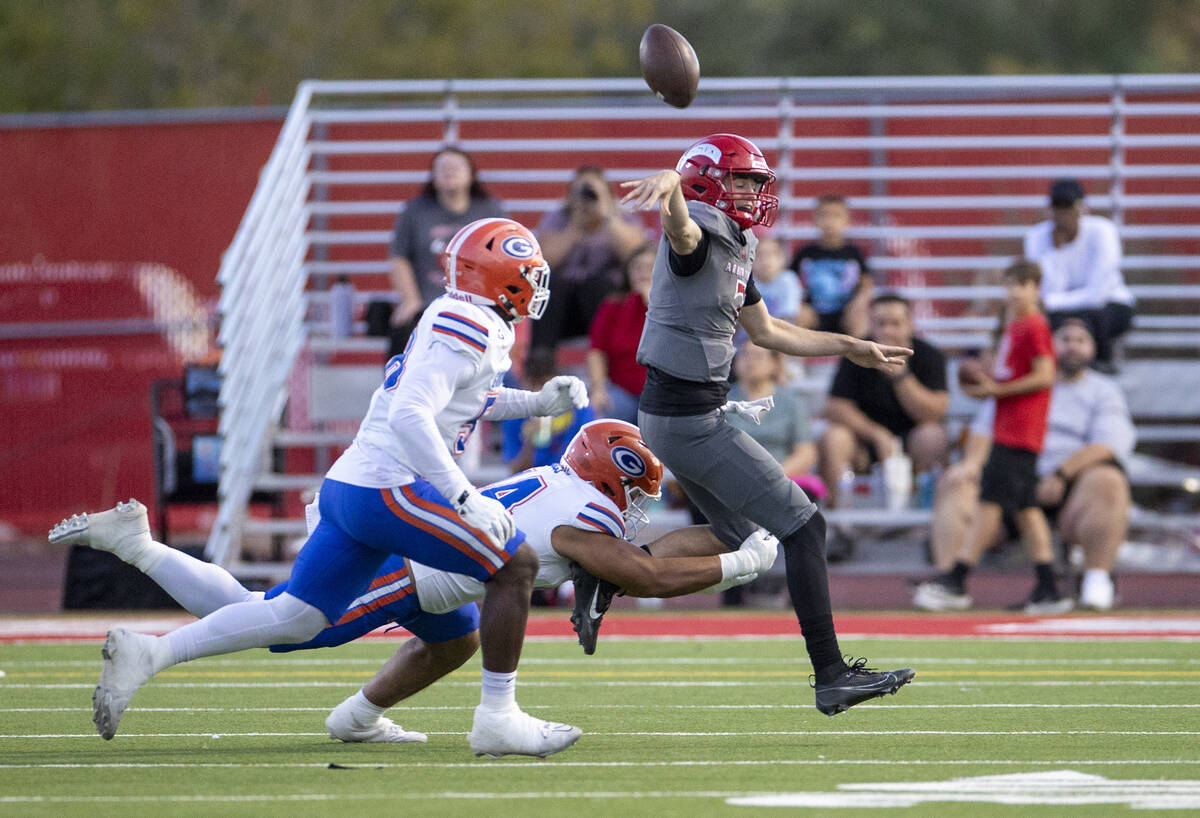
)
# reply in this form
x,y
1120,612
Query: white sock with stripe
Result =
x,y
498,690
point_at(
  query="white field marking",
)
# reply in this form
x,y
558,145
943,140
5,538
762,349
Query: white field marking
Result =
x,y
965,684
1054,787
666,733
679,660
1089,625
368,763
183,709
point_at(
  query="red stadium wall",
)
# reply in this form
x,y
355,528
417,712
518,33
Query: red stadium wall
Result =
x,y
104,223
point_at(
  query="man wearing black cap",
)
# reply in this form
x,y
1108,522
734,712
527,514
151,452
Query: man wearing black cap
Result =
x,y
1080,257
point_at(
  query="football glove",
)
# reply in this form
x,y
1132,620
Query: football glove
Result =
x,y
560,394
488,515
749,409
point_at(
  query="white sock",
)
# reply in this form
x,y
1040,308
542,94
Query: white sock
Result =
x,y
498,690
149,556
199,586
257,624
363,711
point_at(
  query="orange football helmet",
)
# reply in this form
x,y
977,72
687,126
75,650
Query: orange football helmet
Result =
x,y
611,455
498,262
706,166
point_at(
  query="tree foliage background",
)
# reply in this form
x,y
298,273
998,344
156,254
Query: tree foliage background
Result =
x,y
60,55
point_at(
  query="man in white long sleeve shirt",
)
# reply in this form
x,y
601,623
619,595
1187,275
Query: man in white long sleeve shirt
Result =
x,y
1080,257
398,490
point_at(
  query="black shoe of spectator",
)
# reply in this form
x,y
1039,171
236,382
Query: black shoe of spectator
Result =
x,y
1044,601
839,546
592,598
857,684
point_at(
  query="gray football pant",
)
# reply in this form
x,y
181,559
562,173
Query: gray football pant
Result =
x,y
729,476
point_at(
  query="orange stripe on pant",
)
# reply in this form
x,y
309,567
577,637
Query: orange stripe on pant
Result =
x,y
450,514
428,528
374,604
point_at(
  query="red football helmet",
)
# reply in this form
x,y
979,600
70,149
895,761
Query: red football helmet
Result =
x,y
498,262
611,455
705,170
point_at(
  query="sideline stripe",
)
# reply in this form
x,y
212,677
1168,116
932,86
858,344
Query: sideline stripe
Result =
x,y
301,659
367,763
795,682
671,733
412,708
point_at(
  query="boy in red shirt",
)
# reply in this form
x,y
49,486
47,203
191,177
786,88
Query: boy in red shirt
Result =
x,y
1024,375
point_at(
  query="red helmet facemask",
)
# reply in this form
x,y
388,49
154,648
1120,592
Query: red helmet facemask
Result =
x,y
706,172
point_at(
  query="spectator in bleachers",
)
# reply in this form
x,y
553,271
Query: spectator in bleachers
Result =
x,y
1080,257
451,199
616,378
779,287
1082,485
869,410
586,242
540,441
837,284
1024,375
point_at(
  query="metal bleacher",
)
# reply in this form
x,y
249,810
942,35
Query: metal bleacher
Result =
x,y
944,175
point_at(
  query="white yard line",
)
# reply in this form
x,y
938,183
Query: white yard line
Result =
x,y
667,733
414,708
367,763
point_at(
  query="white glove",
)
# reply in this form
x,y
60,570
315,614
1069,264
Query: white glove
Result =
x,y
755,555
561,393
750,409
764,547
488,515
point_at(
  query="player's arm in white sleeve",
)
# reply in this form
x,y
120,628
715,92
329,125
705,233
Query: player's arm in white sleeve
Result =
x,y
426,387
560,394
428,384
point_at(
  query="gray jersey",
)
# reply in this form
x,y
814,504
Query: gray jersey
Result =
x,y
691,319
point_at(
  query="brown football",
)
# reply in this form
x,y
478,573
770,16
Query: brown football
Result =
x,y
669,65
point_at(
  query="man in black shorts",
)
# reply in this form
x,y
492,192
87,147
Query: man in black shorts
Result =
x,y
702,289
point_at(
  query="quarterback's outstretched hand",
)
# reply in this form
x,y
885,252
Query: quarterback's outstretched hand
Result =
x,y
870,355
560,394
656,189
488,515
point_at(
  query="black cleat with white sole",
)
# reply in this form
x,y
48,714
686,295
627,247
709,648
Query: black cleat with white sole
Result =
x,y
858,683
593,596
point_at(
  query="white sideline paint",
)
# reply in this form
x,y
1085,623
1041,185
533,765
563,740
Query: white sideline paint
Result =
x,y
1089,625
963,684
524,765
1055,787
413,708
676,733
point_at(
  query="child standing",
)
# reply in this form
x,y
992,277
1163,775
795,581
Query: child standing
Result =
x,y
1024,375
837,283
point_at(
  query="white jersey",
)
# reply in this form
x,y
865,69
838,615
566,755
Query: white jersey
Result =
x,y
1084,273
540,500
450,372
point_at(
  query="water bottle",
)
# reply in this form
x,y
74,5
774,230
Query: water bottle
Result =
x,y
341,308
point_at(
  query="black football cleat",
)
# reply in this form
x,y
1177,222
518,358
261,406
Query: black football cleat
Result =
x,y
592,598
858,683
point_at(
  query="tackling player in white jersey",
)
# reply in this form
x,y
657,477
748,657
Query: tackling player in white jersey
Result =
x,y
398,490
572,512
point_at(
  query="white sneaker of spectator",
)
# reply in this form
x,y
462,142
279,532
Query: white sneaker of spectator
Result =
x,y
1097,590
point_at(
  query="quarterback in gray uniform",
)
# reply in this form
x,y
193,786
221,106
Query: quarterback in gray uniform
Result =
x,y
702,288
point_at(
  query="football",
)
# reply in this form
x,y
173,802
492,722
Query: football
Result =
x,y
669,65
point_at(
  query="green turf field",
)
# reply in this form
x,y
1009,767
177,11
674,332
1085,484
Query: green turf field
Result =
x,y
671,727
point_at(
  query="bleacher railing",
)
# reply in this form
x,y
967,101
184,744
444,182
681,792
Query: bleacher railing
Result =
x,y
945,174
